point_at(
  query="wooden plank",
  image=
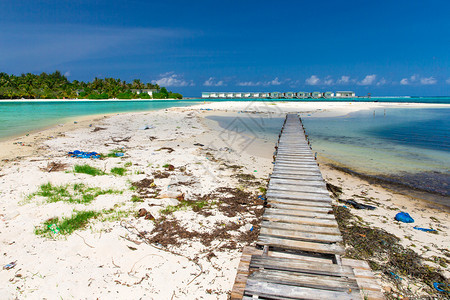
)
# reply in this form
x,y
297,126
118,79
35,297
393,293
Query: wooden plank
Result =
x,y
281,171
304,188
300,245
299,195
298,265
317,182
300,202
297,177
305,236
301,227
300,213
324,282
325,210
278,291
293,167
299,220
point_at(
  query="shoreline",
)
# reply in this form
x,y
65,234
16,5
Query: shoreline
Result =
x,y
207,164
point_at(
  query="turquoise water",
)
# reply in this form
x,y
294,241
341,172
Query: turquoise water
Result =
x,y
18,118
407,146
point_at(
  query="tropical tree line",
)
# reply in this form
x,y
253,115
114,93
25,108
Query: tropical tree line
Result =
x,y
57,86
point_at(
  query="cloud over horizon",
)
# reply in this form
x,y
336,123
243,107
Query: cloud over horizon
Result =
x,y
211,82
275,81
170,79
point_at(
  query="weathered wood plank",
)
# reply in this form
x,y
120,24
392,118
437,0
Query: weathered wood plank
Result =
x,y
324,282
299,207
299,195
298,188
273,217
277,291
301,266
305,236
302,202
297,177
317,182
300,245
299,213
300,227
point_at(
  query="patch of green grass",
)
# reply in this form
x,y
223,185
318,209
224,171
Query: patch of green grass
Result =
x,y
113,153
185,204
128,164
111,215
118,171
166,166
136,198
87,169
67,225
76,193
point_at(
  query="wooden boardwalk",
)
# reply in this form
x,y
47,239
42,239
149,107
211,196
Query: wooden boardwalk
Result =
x,y
299,248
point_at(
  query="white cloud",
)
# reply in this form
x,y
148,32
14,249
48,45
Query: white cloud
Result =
x,y
171,79
381,82
313,80
67,74
368,80
275,81
404,81
211,82
448,81
428,80
344,80
328,80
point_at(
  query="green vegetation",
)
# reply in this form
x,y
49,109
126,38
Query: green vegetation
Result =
x,y
76,193
136,198
87,169
113,153
57,86
118,171
185,204
66,226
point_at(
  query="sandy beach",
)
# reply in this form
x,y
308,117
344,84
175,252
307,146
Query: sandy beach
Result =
x,y
174,200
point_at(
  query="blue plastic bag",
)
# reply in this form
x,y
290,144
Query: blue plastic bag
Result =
x,y
404,217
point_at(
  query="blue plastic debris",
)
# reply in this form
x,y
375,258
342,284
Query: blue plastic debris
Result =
x,y
251,229
82,154
424,229
395,276
119,154
404,217
261,197
436,286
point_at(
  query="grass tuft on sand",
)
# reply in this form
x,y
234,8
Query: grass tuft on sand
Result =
x,y
76,193
87,169
66,225
118,171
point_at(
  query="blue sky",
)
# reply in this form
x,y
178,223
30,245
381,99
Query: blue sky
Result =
x,y
383,47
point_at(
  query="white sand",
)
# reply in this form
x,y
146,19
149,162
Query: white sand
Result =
x,y
98,263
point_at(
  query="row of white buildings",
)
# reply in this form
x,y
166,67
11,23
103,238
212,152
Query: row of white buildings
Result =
x,y
278,95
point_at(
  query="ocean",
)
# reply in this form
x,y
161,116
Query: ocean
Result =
x,y
20,117
406,148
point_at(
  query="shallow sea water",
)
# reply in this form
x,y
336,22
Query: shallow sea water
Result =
x,y
410,146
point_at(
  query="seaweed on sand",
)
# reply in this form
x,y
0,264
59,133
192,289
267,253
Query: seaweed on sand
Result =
x,y
384,252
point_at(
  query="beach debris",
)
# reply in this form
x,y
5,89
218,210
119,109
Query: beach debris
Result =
x,y
169,194
151,138
98,129
132,248
169,150
438,286
145,127
404,217
396,277
54,167
159,174
82,154
10,265
119,154
142,212
335,190
118,140
169,167
358,205
54,228
424,229
198,144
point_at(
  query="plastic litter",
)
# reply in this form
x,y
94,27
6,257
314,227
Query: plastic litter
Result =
x,y
198,144
82,154
437,284
404,217
10,265
120,154
358,205
261,197
54,228
395,276
145,127
424,229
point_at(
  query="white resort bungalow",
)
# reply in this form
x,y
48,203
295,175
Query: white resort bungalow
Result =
x,y
328,95
316,94
148,91
345,94
289,95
